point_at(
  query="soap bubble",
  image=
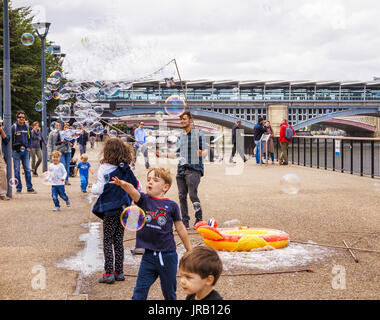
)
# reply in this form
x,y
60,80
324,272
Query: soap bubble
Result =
x,y
13,182
97,127
48,94
232,223
113,134
175,105
197,206
159,115
56,75
290,184
133,218
27,39
45,178
39,105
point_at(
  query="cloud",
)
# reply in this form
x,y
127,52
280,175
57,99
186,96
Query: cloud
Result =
x,y
246,39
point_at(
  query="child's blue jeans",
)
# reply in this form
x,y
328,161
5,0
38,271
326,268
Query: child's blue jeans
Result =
x,y
83,182
58,190
154,264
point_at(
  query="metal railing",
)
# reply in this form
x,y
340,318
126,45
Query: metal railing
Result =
x,y
345,154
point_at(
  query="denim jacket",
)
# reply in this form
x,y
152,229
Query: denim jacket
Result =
x,y
189,144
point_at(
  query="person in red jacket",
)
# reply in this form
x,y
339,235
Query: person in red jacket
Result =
x,y
284,142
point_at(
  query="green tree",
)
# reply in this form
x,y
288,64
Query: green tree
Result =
x,y
25,63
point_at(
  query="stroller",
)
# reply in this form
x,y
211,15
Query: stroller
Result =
x,y
73,163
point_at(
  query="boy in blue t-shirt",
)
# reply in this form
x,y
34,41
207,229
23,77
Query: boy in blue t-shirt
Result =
x,y
84,167
156,237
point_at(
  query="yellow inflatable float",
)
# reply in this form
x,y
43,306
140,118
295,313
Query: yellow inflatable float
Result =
x,y
240,238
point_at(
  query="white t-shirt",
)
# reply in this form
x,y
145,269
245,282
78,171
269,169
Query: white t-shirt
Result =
x,y
104,170
57,173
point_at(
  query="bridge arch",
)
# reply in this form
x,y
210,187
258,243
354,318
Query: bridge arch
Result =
x,y
213,117
329,116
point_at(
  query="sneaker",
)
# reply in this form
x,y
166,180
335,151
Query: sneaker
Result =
x,y
4,198
18,191
137,251
57,209
68,203
67,183
31,191
119,276
84,191
107,278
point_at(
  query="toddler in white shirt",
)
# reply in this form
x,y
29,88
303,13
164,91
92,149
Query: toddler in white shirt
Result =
x,y
57,176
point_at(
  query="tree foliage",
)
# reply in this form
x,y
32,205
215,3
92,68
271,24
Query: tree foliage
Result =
x,y
26,69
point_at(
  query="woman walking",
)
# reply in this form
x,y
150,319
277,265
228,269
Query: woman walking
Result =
x,y
269,146
36,151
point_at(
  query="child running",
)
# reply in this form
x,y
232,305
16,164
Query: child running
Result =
x,y
56,176
84,167
200,269
117,156
156,237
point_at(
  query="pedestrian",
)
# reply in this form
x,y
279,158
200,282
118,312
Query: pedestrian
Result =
x,y
117,156
191,151
64,143
52,139
92,139
3,163
237,136
21,137
269,146
258,130
200,269
36,145
140,144
156,237
286,135
82,141
84,167
56,176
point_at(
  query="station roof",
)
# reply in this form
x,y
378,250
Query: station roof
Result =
x,y
202,83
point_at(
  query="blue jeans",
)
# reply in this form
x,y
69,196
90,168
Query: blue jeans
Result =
x,y
259,150
83,182
23,157
65,160
58,191
154,264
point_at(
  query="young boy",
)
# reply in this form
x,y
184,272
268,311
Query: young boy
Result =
x,y
84,167
57,176
200,269
156,237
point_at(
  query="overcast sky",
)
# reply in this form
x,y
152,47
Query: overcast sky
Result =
x,y
216,39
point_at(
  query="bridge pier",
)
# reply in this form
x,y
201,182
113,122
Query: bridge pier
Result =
x,y
377,132
275,115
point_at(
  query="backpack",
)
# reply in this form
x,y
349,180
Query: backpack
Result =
x,y
288,133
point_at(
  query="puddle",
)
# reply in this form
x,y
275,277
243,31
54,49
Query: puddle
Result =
x,y
91,259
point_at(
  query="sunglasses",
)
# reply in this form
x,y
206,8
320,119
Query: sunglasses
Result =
x,y
21,117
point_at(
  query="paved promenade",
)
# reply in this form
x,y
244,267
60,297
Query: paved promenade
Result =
x,y
36,244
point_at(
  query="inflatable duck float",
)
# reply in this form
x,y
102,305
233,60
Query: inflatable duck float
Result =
x,y
242,238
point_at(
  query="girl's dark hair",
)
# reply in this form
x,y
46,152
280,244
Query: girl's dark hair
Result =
x,y
115,151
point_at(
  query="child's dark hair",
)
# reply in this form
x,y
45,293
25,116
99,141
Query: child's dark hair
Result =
x,y
203,261
115,151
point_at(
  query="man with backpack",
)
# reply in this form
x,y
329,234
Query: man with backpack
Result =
x,y
21,138
286,136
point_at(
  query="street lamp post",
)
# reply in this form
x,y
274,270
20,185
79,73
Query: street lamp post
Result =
x,y
7,91
42,29
58,58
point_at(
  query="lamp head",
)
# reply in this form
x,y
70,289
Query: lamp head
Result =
x,y
41,28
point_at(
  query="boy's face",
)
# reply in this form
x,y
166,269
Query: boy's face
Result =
x,y
83,160
155,186
193,283
55,159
